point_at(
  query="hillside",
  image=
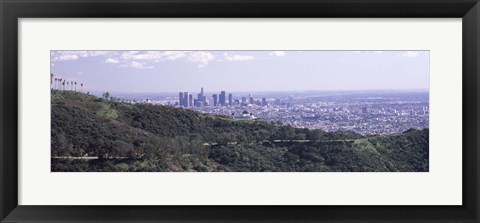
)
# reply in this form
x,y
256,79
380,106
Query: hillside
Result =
x,y
142,137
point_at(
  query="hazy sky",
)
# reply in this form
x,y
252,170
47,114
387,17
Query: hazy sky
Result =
x,y
233,71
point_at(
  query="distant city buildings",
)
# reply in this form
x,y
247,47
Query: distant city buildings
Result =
x,y
264,102
215,99
186,100
387,113
222,98
180,99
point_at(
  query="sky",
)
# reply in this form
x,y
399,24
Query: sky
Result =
x,y
242,71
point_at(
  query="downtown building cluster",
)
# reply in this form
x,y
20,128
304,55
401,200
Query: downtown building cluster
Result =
x,y
187,100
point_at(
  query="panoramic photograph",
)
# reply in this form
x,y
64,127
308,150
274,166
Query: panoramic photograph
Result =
x,y
239,111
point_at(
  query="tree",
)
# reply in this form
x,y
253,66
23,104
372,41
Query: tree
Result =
x,y
59,84
106,95
81,87
75,86
51,80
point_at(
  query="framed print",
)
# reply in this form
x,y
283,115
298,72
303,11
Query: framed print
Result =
x,y
223,111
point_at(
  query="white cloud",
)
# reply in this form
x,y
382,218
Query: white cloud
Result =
x,y
238,58
154,56
112,60
139,59
136,65
127,55
99,53
201,58
278,53
75,55
159,56
174,55
146,56
65,57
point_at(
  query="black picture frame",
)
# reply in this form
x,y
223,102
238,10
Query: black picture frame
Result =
x,y
12,10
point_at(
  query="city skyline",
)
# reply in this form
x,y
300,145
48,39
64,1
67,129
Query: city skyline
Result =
x,y
243,71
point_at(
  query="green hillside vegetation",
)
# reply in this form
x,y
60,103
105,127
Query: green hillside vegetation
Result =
x,y
145,137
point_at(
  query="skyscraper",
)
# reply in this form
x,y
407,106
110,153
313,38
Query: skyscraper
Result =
x,y
215,99
230,99
190,100
180,99
185,99
250,97
200,96
222,98
264,102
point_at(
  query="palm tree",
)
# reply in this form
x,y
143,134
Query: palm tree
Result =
x,y
51,80
71,85
81,87
63,85
75,86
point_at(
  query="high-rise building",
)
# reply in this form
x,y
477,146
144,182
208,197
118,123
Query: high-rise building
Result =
x,y
200,96
264,102
185,99
230,99
190,100
250,97
244,100
180,99
215,99
222,98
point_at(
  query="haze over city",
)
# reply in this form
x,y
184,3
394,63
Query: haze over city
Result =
x,y
239,111
242,71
